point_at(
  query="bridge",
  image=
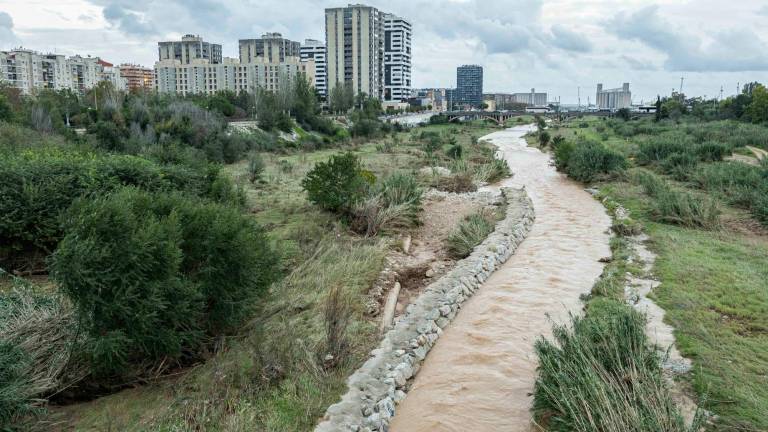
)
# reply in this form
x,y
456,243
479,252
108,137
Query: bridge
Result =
x,y
501,117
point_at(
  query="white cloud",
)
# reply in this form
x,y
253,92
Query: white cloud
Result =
x,y
552,45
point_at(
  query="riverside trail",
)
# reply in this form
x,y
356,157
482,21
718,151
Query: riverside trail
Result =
x,y
480,375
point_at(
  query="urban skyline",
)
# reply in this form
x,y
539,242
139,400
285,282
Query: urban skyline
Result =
x,y
580,55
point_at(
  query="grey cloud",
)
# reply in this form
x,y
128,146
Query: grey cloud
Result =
x,y
7,35
731,51
763,11
128,21
569,40
637,64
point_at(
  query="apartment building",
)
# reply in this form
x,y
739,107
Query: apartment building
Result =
x,y
313,51
200,76
469,86
369,50
397,58
137,77
613,99
189,48
29,71
270,46
354,38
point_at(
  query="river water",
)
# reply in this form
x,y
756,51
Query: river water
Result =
x,y
480,374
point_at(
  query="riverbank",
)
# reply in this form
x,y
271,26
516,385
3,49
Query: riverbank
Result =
x,y
479,377
711,279
273,375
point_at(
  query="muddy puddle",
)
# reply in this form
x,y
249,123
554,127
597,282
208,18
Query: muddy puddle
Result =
x,y
480,374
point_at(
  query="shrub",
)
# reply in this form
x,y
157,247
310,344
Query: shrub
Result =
x,y
438,119
493,171
394,203
711,151
455,151
457,183
563,152
256,167
36,186
601,375
590,159
471,232
179,270
680,165
544,138
338,184
660,147
680,208
365,127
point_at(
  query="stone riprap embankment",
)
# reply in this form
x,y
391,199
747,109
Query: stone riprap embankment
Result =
x,y
380,384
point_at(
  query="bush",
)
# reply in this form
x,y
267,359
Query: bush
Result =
x,y
680,208
438,119
491,172
658,148
544,138
338,184
680,165
457,183
394,203
563,152
471,232
711,151
590,159
154,275
256,167
365,127
455,151
36,186
601,375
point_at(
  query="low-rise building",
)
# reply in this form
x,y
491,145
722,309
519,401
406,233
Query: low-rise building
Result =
x,y
137,77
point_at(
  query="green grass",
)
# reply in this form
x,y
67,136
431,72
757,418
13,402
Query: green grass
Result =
x,y
713,281
715,295
471,232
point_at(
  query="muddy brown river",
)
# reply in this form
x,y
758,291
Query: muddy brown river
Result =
x,y
480,374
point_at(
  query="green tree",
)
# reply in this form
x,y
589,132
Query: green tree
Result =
x,y
6,111
757,110
305,105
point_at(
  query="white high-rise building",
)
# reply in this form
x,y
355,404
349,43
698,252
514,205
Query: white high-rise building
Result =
x,y
397,58
315,50
354,39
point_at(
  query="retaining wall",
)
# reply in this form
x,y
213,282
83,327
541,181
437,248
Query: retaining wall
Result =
x,y
380,384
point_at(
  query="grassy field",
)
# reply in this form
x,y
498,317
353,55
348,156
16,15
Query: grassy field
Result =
x,y
713,283
275,375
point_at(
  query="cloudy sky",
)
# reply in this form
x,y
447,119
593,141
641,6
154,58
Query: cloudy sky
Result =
x,y
553,45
